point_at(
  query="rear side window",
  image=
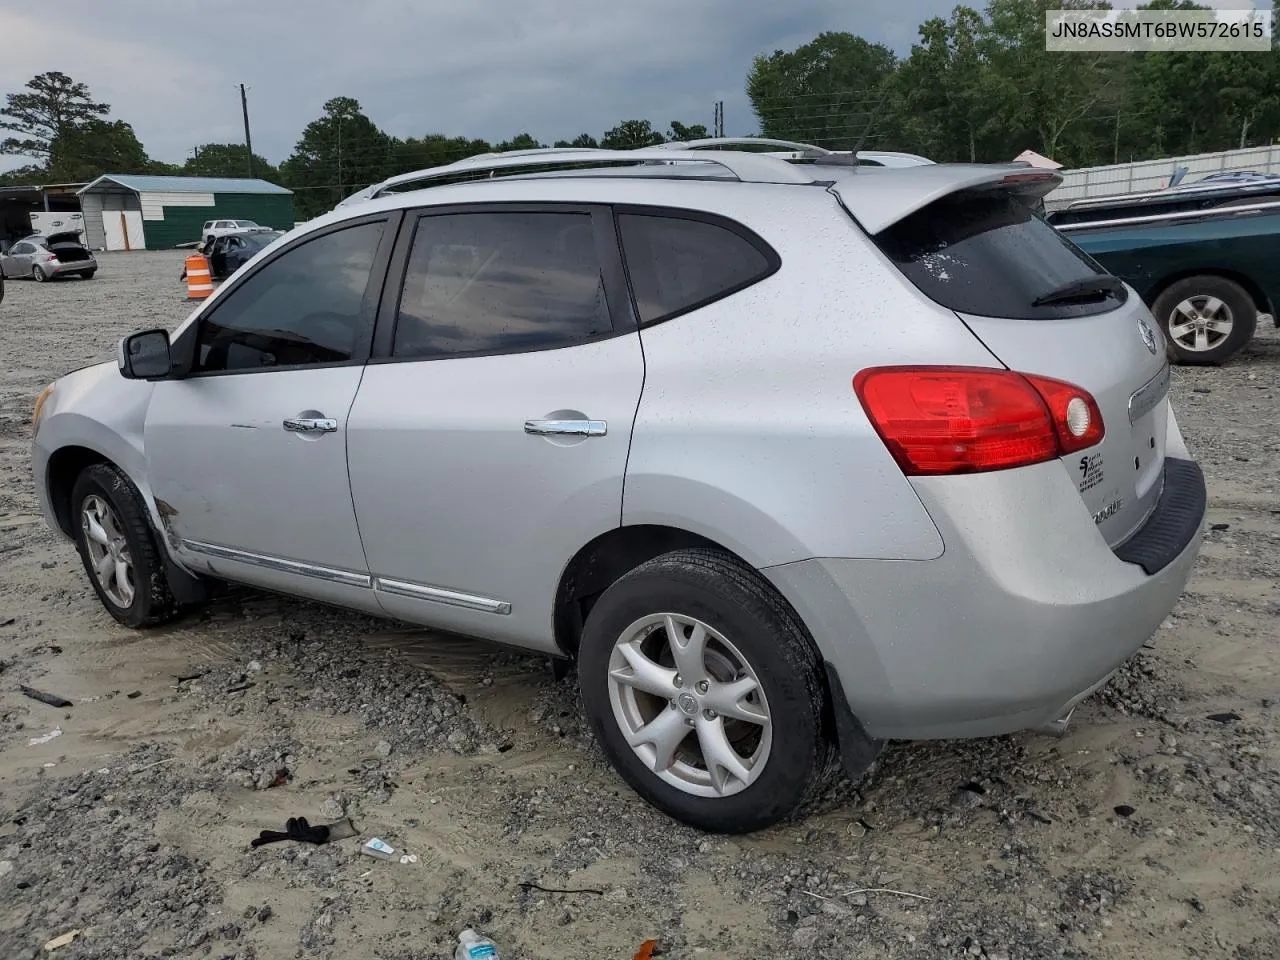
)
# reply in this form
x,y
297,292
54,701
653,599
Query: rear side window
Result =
x,y
501,283
990,254
677,264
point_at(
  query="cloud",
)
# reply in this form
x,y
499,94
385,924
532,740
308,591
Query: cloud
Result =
x,y
553,68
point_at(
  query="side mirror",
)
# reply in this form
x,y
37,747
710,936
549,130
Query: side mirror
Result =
x,y
145,355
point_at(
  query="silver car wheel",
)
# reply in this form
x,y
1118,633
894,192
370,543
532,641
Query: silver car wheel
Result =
x,y
108,551
690,705
1200,323
38,275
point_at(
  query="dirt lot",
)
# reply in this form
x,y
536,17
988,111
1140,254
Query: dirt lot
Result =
x,y
1151,830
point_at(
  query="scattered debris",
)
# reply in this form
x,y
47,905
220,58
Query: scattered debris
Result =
x,y
1124,810
52,734
134,695
52,699
472,946
1219,526
648,950
537,886
61,941
189,677
375,847
240,687
1229,717
896,893
1201,390
155,764
296,828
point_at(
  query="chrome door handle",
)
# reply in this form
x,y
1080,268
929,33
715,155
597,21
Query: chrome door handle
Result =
x,y
566,428
310,425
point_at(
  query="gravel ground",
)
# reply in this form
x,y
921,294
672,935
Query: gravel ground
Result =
x,y
1151,830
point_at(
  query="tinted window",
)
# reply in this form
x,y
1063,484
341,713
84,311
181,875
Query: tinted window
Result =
x,y
303,307
676,264
988,253
22,248
489,282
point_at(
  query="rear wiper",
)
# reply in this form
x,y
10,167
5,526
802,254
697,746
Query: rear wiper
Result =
x,y
1086,288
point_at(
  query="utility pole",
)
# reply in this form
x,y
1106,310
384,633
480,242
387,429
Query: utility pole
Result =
x,y
1115,156
717,124
248,143
340,191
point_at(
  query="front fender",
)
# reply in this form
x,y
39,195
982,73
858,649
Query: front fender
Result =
x,y
95,409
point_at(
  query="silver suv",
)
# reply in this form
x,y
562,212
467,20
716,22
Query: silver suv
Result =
x,y
792,458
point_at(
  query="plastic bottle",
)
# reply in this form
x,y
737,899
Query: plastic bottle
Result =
x,y
472,946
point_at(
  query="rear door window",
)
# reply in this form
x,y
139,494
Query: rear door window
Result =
x,y
990,254
501,282
679,263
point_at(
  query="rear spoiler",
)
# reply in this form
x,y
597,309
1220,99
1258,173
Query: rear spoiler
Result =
x,y
880,197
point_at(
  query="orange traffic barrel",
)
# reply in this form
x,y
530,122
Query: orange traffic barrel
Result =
x,y
199,280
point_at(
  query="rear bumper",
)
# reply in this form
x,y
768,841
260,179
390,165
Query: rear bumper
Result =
x,y
1026,612
75,266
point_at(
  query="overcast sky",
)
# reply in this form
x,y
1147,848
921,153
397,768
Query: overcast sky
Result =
x,y
554,68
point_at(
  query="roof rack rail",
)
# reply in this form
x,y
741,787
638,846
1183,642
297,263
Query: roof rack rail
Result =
x,y
808,150
743,167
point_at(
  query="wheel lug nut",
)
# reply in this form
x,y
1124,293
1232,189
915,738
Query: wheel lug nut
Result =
x,y
678,681
688,721
708,714
703,686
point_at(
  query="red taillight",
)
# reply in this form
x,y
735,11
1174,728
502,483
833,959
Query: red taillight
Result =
x,y
52,258
939,420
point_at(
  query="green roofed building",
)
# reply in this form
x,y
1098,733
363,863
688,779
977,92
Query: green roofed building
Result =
x,y
128,212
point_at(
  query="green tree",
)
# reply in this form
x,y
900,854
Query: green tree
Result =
x,y
582,140
631,135
830,92
942,91
50,107
340,152
93,147
227,160
521,141
432,150
1048,99
681,133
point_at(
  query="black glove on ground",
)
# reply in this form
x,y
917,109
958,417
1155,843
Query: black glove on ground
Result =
x,y
296,829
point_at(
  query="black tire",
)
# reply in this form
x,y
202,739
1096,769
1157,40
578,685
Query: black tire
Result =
x,y
735,600
1244,316
38,275
88,274
152,602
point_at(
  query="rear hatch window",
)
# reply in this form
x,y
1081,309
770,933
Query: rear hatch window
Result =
x,y
987,252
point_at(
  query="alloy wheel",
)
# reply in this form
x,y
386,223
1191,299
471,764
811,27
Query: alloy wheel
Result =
x,y
108,551
1200,323
690,705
